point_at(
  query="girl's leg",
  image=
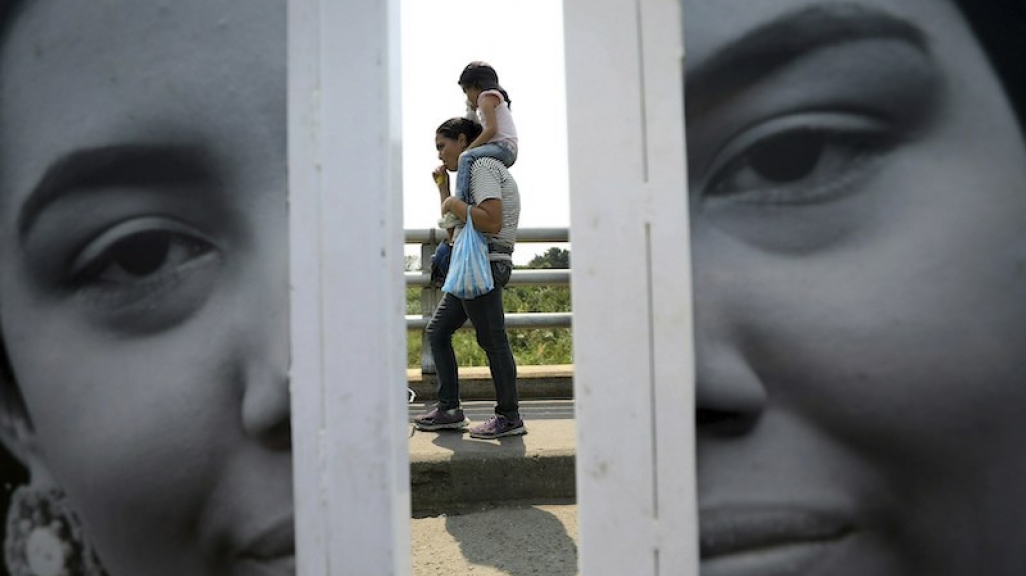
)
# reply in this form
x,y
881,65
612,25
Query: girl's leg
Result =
x,y
509,156
468,158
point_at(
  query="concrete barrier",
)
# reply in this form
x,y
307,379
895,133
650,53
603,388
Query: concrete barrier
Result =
x,y
533,382
451,472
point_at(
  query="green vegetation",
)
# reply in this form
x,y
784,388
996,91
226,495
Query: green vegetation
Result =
x,y
557,258
530,346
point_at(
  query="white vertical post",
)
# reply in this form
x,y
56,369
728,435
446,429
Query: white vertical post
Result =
x,y
348,336
633,353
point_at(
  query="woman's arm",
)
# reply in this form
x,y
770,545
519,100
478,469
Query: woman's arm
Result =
x,y
487,215
487,105
441,177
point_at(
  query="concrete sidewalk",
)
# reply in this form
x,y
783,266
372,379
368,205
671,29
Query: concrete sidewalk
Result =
x,y
536,540
452,472
499,507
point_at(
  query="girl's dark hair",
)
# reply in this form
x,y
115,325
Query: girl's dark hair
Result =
x,y
1000,27
483,77
453,127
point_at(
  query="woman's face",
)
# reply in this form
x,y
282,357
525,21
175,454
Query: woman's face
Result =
x,y
449,150
858,189
144,278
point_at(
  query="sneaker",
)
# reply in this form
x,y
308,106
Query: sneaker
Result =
x,y
497,427
439,419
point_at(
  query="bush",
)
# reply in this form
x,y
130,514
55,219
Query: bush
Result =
x,y
532,346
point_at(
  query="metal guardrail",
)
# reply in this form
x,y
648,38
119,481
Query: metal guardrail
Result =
x,y
434,236
430,238
514,320
517,278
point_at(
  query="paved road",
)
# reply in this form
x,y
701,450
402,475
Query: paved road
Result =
x,y
479,411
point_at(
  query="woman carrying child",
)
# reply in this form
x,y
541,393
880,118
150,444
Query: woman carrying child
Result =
x,y
495,201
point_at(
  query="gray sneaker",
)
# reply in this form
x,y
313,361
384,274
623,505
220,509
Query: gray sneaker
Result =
x,y
439,419
497,427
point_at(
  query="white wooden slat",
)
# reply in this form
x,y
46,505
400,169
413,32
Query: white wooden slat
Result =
x,y
306,385
348,337
633,348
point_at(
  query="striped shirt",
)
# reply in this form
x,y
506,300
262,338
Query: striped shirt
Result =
x,y
490,179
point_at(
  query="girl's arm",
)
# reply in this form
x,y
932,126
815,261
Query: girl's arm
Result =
x,y
487,106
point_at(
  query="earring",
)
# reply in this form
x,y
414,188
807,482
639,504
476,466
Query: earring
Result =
x,y
44,537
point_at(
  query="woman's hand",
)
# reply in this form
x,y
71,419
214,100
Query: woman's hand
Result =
x,y
449,205
441,176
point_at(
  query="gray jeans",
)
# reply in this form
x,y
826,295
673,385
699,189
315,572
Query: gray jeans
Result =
x,y
486,314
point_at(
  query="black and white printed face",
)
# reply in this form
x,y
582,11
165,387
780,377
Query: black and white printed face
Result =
x,y
858,190
143,284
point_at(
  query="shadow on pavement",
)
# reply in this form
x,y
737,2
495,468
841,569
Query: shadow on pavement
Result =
x,y
519,542
463,446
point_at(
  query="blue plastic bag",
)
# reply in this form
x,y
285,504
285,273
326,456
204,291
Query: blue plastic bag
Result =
x,y
470,272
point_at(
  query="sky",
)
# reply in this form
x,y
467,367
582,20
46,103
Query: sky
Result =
x,y
523,41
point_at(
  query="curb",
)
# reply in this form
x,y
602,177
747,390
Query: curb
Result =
x,y
450,472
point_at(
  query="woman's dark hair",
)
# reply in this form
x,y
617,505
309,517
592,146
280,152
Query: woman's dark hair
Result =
x,y
12,472
7,8
1000,27
453,127
483,77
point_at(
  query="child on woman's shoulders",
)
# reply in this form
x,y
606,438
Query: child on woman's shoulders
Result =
x,y
488,104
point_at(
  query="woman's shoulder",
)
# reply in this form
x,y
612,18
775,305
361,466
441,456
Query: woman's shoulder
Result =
x,y
488,163
488,170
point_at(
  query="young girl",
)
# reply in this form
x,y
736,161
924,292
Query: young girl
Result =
x,y
488,103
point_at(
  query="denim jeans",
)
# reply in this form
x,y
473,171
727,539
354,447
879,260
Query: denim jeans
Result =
x,y
486,313
500,152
